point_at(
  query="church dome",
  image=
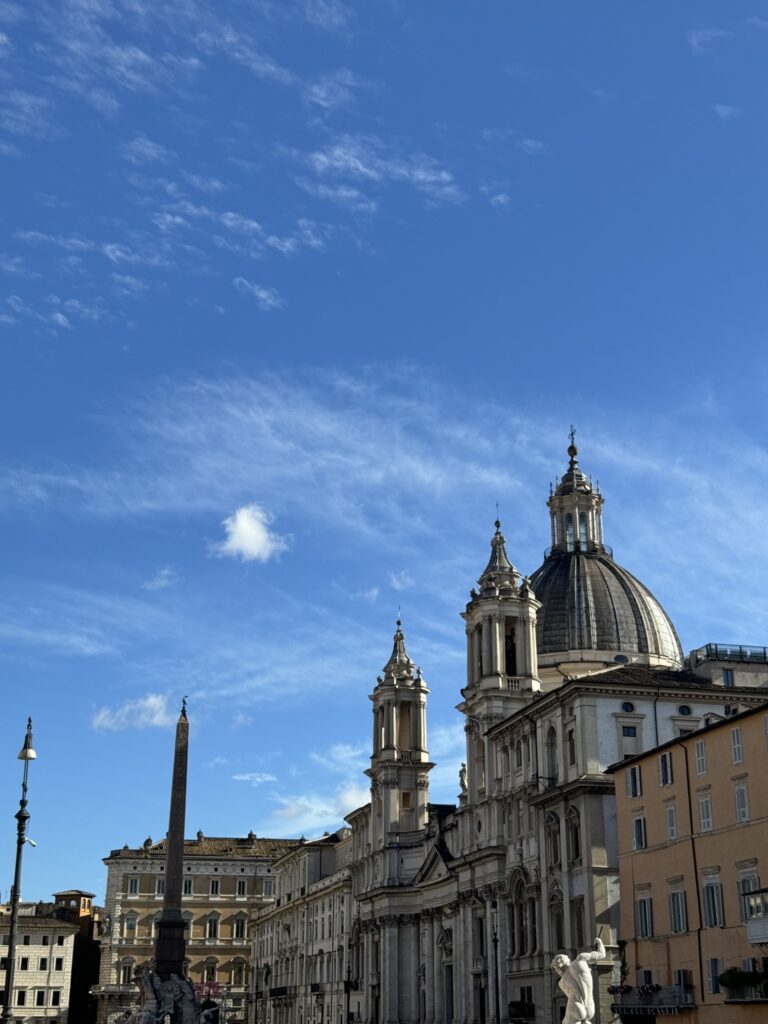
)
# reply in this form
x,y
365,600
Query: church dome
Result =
x,y
589,603
592,609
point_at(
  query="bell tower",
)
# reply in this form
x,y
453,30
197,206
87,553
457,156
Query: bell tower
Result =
x,y
400,762
576,509
502,663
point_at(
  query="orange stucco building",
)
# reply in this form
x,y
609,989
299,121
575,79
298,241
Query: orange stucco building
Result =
x,y
692,821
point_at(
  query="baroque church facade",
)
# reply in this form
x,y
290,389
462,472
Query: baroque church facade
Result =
x,y
451,914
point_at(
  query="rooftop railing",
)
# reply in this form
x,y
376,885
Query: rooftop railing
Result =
x,y
588,547
731,652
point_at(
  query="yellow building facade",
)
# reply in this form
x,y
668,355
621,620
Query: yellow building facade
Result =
x,y
692,823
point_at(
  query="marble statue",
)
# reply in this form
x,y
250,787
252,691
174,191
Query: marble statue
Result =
x,y
463,777
576,983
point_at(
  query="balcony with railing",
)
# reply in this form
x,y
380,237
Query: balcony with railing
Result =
x,y
651,1000
588,547
731,652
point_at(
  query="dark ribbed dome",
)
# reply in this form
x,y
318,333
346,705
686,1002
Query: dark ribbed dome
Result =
x,y
589,603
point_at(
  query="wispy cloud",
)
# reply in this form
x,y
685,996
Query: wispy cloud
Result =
x,y
401,580
24,113
757,22
254,778
368,158
165,577
725,112
531,147
702,40
343,758
141,150
341,195
331,15
146,712
249,536
266,298
333,91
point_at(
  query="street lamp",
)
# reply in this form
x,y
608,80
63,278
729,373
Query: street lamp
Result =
x,y
26,754
348,979
495,941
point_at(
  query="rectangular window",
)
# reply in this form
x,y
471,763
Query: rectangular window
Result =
x,y
713,905
187,886
634,781
242,887
239,927
644,914
665,768
56,997
571,742
58,963
736,747
267,886
25,940
21,997
24,963
714,970
160,886
671,822
638,834
678,918
43,963
742,801
406,801
746,885
214,887
705,812
40,997
630,731
212,930
60,938
133,886
701,758
44,940
728,677
644,977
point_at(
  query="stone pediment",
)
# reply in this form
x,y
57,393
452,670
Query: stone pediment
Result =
x,y
434,867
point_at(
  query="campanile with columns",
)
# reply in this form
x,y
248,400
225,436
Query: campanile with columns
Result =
x,y
502,663
399,760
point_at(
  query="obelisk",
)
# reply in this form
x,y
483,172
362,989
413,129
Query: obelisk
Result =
x,y
170,944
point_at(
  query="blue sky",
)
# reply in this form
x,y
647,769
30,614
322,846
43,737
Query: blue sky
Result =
x,y
291,294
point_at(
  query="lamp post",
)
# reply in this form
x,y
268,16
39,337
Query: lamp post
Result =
x,y
348,980
495,941
26,754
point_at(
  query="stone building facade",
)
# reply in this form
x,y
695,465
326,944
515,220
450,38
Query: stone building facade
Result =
x,y
45,946
225,880
457,910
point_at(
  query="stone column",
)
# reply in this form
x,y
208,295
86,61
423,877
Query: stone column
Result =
x,y
428,921
389,970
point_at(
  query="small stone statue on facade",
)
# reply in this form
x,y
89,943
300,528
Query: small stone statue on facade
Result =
x,y
463,777
576,983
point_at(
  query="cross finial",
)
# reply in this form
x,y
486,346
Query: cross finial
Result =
x,y
572,434
184,706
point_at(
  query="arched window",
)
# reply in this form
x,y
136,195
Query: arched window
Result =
x,y
126,971
555,538
569,535
238,973
583,534
551,757
573,835
404,727
552,832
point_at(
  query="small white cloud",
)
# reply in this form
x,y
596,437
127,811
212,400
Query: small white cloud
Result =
x,y
725,112
165,577
341,195
334,91
241,718
499,199
249,537
219,761
701,40
141,713
255,778
531,147
401,580
209,185
755,22
142,150
267,298
342,758
371,595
